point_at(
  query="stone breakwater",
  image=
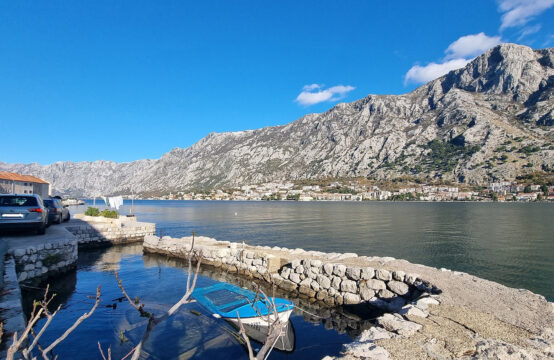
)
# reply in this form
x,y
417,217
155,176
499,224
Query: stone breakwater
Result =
x,y
99,231
432,313
342,320
329,278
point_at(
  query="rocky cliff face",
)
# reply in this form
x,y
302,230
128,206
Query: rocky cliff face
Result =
x,y
492,119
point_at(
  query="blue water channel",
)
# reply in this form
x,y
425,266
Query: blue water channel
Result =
x,y
192,333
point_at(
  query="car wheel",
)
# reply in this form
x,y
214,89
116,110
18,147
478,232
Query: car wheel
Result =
x,y
68,216
42,229
59,221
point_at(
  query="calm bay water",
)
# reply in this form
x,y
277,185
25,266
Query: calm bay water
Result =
x,y
191,333
511,243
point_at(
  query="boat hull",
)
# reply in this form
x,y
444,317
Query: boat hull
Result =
x,y
262,320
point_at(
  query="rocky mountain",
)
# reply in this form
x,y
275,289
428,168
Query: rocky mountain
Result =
x,y
491,120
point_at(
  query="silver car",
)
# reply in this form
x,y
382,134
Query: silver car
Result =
x,y
57,212
23,212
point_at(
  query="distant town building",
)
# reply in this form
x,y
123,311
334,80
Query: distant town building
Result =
x,y
12,183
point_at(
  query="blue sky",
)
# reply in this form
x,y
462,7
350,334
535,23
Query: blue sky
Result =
x,y
125,80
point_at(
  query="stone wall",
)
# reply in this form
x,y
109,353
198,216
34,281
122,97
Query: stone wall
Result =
x,y
98,231
49,258
334,279
11,313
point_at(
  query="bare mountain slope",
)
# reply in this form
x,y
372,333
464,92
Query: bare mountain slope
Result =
x,y
492,119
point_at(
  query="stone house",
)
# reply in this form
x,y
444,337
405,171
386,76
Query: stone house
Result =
x,y
13,183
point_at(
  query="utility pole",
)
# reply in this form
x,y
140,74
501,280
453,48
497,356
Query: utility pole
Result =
x,y
132,202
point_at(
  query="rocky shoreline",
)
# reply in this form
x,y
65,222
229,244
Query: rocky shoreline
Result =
x,y
432,313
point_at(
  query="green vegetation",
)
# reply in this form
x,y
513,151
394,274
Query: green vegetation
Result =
x,y
529,149
404,197
504,157
527,189
341,190
293,197
272,197
112,214
51,259
92,211
537,177
444,156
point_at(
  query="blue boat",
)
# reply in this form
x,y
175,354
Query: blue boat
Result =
x,y
228,301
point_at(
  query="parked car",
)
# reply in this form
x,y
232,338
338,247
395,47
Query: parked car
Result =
x,y
23,212
57,211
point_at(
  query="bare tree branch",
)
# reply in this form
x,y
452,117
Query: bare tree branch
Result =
x,y
74,326
138,306
17,342
242,332
275,325
102,352
152,319
129,353
41,308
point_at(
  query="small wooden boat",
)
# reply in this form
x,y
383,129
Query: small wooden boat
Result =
x,y
230,302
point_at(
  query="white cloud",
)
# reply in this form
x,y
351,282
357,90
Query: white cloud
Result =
x,y
471,45
458,54
314,94
520,12
422,74
311,87
529,31
549,41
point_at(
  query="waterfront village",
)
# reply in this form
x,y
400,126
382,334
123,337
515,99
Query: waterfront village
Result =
x,y
353,190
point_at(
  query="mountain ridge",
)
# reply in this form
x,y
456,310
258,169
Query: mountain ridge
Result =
x,y
492,119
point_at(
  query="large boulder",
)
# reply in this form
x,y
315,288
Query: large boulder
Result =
x,y
398,287
397,325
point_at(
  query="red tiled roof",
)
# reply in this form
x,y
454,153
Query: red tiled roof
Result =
x,y
16,177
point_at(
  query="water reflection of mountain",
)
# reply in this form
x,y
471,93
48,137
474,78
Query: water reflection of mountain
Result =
x,y
344,319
